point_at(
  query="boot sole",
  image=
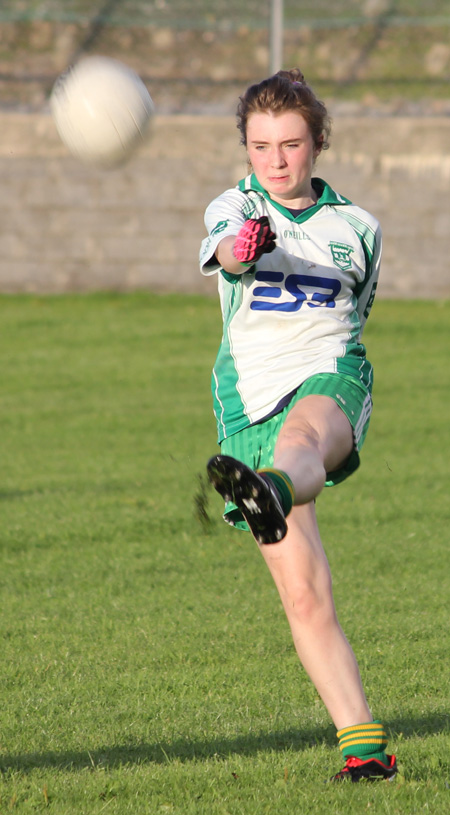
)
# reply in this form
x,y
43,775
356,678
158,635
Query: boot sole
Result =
x,y
260,507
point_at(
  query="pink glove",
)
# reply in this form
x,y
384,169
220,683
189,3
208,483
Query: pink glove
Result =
x,y
253,240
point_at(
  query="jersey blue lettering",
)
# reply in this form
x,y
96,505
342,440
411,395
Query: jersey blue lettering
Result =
x,y
295,283
330,286
268,291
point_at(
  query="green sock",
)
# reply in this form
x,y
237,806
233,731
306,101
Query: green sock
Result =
x,y
283,486
364,741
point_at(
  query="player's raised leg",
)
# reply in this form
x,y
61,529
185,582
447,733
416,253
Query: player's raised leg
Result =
x,y
315,438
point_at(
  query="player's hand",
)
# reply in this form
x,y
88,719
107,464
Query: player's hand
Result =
x,y
253,240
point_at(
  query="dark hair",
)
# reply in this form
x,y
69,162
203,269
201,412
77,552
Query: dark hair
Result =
x,y
286,90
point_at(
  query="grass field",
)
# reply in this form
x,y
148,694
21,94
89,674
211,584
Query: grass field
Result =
x,y
146,665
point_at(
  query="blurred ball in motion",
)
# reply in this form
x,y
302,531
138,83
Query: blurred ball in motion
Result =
x,y
102,111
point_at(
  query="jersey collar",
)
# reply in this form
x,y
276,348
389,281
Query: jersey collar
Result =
x,y
326,197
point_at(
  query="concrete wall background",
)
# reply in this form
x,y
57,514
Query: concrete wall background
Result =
x,y
66,228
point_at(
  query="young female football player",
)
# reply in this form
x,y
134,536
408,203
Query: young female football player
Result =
x,y
298,267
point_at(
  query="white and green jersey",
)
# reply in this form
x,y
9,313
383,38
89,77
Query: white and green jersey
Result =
x,y
299,310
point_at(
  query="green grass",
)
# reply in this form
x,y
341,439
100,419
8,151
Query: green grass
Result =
x,y
146,664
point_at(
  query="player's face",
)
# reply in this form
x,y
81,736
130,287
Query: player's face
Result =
x,y
282,153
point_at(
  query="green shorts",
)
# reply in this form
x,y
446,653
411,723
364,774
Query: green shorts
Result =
x,y
255,445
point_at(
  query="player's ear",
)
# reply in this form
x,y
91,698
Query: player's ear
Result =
x,y
318,146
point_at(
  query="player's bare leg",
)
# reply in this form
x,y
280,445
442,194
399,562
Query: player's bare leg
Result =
x,y
299,567
315,438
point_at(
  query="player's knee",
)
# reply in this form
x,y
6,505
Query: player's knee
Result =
x,y
311,602
297,436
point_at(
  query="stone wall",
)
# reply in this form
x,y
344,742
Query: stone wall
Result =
x,y
67,228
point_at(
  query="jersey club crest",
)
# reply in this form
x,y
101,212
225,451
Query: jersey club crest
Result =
x,y
341,255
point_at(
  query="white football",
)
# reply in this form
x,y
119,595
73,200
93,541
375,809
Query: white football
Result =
x,y
102,111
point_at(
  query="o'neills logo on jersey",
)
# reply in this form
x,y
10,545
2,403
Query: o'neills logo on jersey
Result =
x,y
341,255
297,234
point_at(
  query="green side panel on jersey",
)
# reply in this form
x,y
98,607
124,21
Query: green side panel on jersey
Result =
x,y
356,366
230,278
226,399
367,238
355,361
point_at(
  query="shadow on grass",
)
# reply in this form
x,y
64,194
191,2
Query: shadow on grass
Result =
x,y
181,751
185,750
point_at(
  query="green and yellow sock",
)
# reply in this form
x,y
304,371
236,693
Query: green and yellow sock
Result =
x,y
283,486
364,741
